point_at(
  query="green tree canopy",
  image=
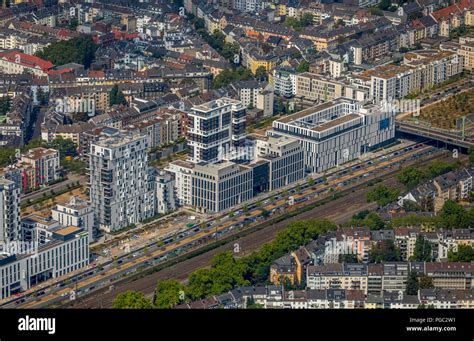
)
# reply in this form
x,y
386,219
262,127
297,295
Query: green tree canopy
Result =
x,y
65,146
231,75
116,96
383,195
425,282
5,103
261,73
131,300
422,252
453,215
384,251
411,177
168,293
412,285
465,253
303,67
79,50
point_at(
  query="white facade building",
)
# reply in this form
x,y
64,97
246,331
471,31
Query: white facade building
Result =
x,y
338,131
217,187
76,212
214,126
121,190
182,171
65,251
9,211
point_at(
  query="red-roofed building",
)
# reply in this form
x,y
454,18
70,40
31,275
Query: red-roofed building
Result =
x,y
454,16
14,62
124,36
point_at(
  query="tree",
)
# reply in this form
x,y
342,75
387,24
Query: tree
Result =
x,y
383,195
384,5
412,285
228,76
453,215
465,253
425,282
411,206
410,177
116,96
340,22
42,96
131,300
374,222
76,50
348,258
307,19
65,146
438,168
7,156
261,73
471,155
297,25
384,251
225,274
303,67
168,293
5,103
293,22
73,24
422,252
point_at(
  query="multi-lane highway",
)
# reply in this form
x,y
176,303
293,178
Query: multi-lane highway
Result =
x,y
158,252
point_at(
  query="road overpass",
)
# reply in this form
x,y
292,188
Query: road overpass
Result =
x,y
449,137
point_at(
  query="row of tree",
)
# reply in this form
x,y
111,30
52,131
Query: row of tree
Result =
x,y
413,176
226,272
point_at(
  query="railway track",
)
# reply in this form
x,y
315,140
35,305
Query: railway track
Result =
x,y
351,203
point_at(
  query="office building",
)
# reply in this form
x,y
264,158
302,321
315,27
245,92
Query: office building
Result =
x,y
285,160
338,131
220,186
66,250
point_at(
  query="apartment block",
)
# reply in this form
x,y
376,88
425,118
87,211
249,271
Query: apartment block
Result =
x,y
451,275
75,212
466,49
121,191
44,164
165,200
314,87
284,82
9,211
215,126
182,172
338,276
